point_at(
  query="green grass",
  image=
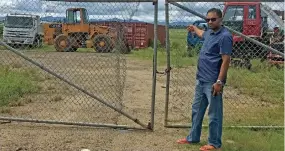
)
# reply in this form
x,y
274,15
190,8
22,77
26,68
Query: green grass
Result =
x,y
15,83
246,140
261,81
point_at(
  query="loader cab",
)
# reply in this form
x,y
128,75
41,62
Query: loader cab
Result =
x,y
77,16
76,21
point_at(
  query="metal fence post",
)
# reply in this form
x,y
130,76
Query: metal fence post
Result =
x,y
154,64
168,62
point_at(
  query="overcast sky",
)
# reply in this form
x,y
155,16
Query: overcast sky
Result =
x,y
140,11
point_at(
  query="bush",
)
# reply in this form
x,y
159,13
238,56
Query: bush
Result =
x,y
14,84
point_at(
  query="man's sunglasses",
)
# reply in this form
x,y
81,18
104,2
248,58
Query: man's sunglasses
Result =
x,y
211,19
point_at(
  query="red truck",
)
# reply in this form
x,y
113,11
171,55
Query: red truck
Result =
x,y
251,19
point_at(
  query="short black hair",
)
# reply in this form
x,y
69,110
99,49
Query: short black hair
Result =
x,y
217,11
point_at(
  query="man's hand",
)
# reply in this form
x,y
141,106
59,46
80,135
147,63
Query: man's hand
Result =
x,y
192,28
217,88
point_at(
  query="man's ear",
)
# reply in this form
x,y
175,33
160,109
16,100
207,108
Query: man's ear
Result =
x,y
221,21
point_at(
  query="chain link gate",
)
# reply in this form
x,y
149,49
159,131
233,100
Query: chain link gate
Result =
x,y
254,93
64,62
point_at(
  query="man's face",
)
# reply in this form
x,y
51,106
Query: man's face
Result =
x,y
213,20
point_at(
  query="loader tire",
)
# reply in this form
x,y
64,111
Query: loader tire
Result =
x,y
38,43
102,43
62,43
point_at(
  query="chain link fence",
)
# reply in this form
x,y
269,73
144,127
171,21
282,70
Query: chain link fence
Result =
x,y
254,93
65,62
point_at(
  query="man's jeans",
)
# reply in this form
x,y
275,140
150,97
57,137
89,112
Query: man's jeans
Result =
x,y
203,98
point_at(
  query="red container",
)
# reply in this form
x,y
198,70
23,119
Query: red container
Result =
x,y
139,35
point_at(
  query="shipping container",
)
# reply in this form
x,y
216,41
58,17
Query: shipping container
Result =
x,y
139,35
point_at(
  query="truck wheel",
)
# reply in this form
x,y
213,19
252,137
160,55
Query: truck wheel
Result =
x,y
38,42
61,43
102,43
72,49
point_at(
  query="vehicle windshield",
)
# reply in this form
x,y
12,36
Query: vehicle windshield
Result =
x,y
19,22
73,16
234,13
233,17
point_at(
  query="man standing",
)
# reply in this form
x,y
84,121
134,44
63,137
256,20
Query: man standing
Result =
x,y
213,64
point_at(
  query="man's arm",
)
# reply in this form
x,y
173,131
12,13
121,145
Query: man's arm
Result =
x,y
225,66
226,46
198,31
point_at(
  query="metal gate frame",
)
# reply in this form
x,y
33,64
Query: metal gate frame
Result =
x,y
168,68
149,126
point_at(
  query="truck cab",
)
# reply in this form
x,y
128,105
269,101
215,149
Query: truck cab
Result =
x,y
246,18
194,42
22,29
250,19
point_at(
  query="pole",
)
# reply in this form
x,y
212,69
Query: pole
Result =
x,y
168,63
154,65
68,123
205,126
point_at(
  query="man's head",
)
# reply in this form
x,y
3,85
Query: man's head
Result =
x,y
214,18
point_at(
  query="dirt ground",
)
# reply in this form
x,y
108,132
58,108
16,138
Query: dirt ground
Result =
x,y
103,76
58,101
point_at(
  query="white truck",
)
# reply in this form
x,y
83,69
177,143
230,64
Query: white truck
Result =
x,y
23,29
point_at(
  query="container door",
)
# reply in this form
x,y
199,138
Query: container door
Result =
x,y
140,36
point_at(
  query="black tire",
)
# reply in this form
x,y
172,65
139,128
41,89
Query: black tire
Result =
x,y
59,47
106,43
38,43
73,49
122,43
